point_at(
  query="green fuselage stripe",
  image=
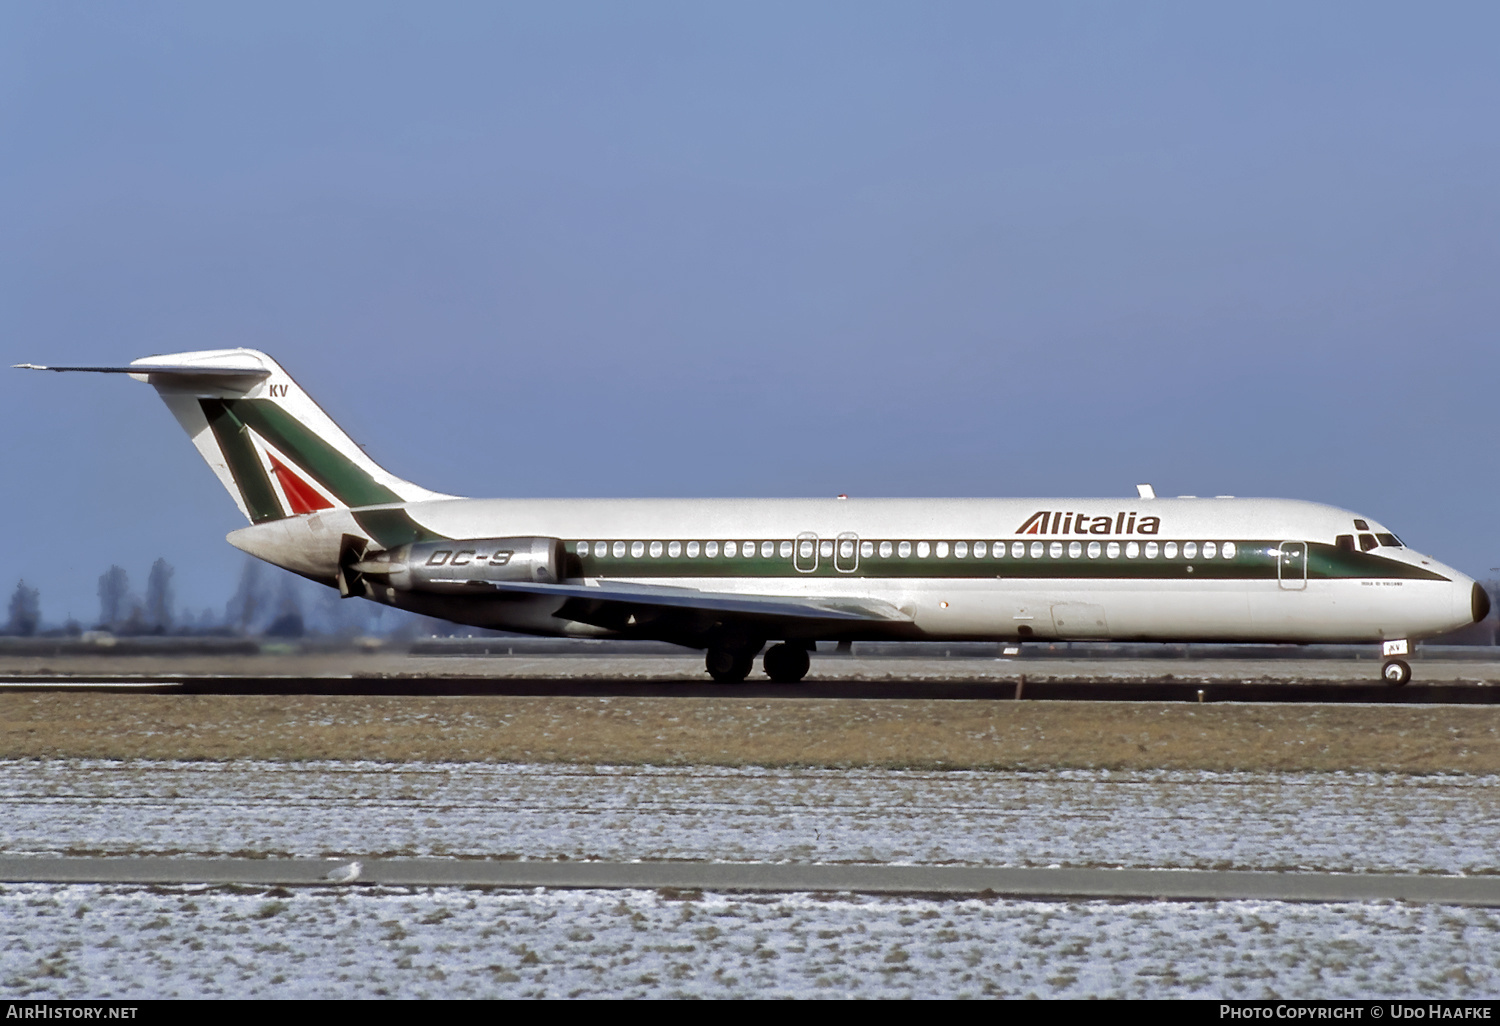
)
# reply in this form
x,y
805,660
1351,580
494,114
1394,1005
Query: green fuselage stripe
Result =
x,y
392,527
1253,560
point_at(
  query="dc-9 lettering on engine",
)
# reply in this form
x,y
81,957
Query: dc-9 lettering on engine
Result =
x,y
468,564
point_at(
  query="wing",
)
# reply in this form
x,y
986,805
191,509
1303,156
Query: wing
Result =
x,y
616,603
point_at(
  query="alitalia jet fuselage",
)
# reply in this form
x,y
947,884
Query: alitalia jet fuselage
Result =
x,y
729,575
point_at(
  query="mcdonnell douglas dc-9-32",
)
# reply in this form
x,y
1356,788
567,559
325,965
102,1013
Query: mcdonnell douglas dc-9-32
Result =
x,y
729,576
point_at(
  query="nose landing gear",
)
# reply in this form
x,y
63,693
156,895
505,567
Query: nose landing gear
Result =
x,y
1395,672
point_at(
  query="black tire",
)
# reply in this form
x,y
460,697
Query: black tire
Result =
x,y
727,666
1395,672
786,664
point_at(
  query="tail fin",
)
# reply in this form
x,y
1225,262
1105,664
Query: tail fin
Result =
x,y
271,446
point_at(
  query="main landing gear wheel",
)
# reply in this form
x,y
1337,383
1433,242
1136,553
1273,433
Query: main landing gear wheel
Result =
x,y
728,666
786,664
1395,673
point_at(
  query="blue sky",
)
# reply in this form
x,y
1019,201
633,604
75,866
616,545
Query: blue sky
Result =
x,y
755,249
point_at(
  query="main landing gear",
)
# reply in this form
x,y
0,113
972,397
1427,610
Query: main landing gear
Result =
x,y
784,663
729,665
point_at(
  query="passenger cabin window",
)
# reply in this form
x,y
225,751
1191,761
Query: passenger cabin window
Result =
x,y
1229,550
731,548
1210,550
1112,550
1190,550
866,549
637,549
1169,550
786,550
767,549
711,549
981,550
1345,542
885,550
1094,549
619,549
1367,542
924,549
1037,548
692,550
674,549
656,550
904,549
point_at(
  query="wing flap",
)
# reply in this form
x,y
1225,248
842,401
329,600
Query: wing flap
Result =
x,y
856,610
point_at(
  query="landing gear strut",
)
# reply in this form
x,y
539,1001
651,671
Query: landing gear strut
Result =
x,y
729,665
786,664
1395,672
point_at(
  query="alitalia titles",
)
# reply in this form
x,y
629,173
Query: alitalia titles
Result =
x,y
1062,522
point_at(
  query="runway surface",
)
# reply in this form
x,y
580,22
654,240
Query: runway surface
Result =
x,y
1025,687
987,881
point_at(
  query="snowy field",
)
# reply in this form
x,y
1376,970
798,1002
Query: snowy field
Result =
x,y
1336,822
118,942
128,941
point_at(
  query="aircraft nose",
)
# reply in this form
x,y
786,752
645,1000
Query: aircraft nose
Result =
x,y
1479,603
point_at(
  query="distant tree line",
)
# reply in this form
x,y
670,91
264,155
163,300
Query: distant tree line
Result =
x,y
266,602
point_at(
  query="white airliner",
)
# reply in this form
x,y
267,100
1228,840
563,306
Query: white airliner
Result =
x,y
729,575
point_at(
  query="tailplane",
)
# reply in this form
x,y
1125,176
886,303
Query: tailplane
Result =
x,y
271,446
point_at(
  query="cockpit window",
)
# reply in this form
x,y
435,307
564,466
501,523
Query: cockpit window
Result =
x,y
1361,525
1389,539
1367,542
1345,542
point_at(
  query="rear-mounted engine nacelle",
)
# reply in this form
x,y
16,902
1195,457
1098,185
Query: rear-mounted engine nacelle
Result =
x,y
455,566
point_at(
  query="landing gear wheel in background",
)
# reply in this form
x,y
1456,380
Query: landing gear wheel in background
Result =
x,y
1395,673
727,666
786,664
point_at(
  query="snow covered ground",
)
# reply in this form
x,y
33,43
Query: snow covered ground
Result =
x,y
122,941
1338,822
116,942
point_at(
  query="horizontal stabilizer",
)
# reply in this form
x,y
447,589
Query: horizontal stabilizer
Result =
x,y
180,371
779,606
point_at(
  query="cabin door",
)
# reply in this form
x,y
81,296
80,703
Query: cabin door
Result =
x,y
1291,566
846,555
805,555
